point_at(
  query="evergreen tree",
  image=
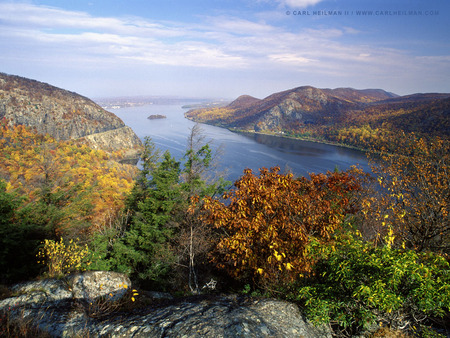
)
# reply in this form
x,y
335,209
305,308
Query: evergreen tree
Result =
x,y
194,239
142,248
19,239
147,240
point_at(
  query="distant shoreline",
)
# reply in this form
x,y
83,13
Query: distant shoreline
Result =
x,y
235,130
298,138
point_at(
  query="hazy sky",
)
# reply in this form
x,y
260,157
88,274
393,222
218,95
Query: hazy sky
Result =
x,y
226,48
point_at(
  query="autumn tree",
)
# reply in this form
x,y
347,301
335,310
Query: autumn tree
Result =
x,y
267,220
413,195
65,188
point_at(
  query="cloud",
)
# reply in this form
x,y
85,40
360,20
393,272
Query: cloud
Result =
x,y
212,42
239,26
74,41
27,15
300,3
54,19
444,59
290,59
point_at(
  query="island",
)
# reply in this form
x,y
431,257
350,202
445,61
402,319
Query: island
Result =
x,y
157,116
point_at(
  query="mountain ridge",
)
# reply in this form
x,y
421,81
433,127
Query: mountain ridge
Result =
x,y
301,103
366,119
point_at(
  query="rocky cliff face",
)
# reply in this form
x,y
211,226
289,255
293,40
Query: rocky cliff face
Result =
x,y
63,114
119,139
303,104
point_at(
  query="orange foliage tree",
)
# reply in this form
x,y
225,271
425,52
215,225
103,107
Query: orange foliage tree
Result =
x,y
267,220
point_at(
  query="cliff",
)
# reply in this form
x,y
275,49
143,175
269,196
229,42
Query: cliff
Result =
x,y
64,115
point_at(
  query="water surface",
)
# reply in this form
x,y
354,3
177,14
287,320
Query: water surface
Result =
x,y
239,151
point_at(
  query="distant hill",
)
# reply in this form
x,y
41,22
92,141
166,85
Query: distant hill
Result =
x,y
64,115
362,118
303,104
244,101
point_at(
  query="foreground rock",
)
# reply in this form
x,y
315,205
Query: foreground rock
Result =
x,y
67,309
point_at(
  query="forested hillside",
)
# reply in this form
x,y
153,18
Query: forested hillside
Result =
x,y
361,118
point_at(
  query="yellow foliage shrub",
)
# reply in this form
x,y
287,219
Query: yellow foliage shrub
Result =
x,y
62,258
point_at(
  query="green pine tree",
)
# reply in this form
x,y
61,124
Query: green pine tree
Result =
x,y
141,248
19,239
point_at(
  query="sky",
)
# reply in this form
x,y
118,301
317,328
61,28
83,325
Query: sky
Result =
x,y
227,48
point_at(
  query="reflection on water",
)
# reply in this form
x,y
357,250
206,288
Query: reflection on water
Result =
x,y
240,151
302,148
286,145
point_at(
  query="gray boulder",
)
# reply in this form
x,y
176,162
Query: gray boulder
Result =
x,y
93,284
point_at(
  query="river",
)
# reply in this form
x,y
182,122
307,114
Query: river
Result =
x,y
239,151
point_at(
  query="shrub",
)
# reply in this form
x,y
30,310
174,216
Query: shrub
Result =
x,y
104,306
356,284
61,258
19,325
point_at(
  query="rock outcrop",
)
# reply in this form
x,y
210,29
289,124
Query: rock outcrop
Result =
x,y
122,138
63,308
62,114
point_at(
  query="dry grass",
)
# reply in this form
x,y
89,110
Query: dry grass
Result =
x,y
19,326
386,332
